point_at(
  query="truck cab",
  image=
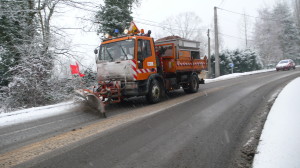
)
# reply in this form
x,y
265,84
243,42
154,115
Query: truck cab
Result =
x,y
134,55
130,61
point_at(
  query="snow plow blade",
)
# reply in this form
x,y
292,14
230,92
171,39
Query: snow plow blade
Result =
x,y
92,100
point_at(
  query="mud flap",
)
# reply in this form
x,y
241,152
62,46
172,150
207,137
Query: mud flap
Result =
x,y
201,81
202,76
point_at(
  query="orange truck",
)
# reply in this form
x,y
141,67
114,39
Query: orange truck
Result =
x,y
136,65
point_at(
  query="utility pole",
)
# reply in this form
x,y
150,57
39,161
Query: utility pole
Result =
x,y
297,11
217,62
245,21
208,57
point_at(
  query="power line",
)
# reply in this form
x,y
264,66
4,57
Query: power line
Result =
x,y
243,14
238,13
222,34
221,3
146,20
161,25
164,23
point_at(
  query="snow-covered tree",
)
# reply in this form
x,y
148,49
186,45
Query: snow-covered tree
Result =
x,y
276,35
28,80
27,53
30,85
16,25
288,35
114,14
296,5
185,25
266,39
243,60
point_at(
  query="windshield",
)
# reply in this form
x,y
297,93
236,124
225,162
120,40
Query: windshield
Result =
x,y
283,61
117,51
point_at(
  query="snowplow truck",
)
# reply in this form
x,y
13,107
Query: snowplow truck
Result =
x,y
135,65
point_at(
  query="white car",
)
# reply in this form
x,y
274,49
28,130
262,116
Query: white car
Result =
x,y
286,65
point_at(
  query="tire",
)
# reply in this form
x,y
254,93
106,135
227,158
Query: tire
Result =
x,y
193,85
155,92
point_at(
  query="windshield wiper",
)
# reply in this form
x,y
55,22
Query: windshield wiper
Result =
x,y
109,54
124,52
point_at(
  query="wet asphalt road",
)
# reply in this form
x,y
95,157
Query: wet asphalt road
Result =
x,y
204,131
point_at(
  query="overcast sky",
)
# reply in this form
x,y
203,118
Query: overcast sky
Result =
x,y
230,24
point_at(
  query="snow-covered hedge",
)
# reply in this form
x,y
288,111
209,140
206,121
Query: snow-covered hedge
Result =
x,y
243,60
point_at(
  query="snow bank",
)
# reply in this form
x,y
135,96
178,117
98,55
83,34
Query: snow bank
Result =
x,y
35,113
280,139
236,75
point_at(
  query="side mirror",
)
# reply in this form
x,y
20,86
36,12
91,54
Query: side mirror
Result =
x,y
96,51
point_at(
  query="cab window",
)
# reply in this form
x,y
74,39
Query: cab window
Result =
x,y
195,54
144,49
165,50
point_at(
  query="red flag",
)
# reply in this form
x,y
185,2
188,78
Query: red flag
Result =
x,y
81,75
75,70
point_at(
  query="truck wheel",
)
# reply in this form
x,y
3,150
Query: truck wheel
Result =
x,y
155,92
194,85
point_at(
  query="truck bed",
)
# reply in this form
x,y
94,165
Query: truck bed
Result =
x,y
180,55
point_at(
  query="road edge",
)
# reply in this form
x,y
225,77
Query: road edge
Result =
x,y
246,149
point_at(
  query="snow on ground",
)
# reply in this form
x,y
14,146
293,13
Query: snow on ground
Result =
x,y
280,140
236,75
34,113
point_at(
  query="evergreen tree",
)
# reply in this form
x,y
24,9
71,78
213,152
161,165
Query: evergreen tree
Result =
x,y
296,5
16,25
276,35
266,39
288,35
243,60
115,14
